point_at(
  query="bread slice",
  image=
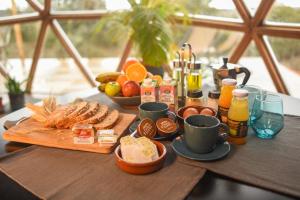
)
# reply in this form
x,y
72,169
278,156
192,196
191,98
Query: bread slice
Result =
x,y
98,117
93,109
109,121
81,107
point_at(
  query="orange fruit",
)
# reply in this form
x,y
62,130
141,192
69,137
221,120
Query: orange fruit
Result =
x,y
136,72
128,63
157,78
122,79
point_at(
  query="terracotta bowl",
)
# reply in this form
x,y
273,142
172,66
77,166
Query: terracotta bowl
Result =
x,y
142,168
127,101
181,110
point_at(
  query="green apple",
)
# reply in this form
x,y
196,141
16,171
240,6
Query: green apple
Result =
x,y
112,88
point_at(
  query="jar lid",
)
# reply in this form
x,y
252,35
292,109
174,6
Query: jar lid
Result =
x,y
195,94
240,93
214,94
229,81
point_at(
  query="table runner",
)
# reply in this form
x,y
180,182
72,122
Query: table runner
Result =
x,y
271,164
64,174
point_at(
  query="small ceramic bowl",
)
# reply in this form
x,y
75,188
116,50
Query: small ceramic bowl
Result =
x,y
181,110
127,101
142,168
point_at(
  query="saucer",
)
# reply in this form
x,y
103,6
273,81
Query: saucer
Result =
x,y
219,152
157,137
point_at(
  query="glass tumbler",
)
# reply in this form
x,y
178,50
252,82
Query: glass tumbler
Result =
x,y
253,91
267,115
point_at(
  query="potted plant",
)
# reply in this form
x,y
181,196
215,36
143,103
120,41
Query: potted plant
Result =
x,y
15,93
149,24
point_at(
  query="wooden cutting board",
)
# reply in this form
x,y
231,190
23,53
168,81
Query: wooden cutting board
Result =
x,y
33,132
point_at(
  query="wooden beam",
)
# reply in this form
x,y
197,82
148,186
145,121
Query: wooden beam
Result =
x,y
82,15
22,18
125,54
36,55
243,11
279,31
3,72
261,12
270,60
47,6
18,35
36,5
240,49
215,22
72,51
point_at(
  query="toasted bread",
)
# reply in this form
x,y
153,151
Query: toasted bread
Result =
x,y
109,121
98,117
93,109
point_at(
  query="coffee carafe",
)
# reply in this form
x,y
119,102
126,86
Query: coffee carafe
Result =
x,y
228,70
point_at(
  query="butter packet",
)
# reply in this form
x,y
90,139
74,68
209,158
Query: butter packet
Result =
x,y
83,134
106,137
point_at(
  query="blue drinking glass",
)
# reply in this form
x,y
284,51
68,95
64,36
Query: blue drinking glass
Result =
x,y
267,118
253,91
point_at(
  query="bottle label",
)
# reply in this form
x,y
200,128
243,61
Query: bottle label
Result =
x,y
148,94
238,128
223,114
167,94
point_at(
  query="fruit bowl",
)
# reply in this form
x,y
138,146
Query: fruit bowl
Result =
x,y
127,101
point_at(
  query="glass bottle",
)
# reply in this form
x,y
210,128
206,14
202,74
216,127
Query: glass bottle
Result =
x,y
194,78
148,91
194,98
228,85
238,116
213,99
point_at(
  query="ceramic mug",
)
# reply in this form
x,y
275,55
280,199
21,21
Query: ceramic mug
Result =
x,y
201,133
154,111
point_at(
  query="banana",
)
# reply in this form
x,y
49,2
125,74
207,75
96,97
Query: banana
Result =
x,y
101,87
107,77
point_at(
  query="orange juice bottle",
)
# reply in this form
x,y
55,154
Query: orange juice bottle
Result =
x,y
228,85
238,115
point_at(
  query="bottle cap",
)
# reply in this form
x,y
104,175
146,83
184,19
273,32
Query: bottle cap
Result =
x,y
195,94
196,65
148,81
240,93
214,94
229,81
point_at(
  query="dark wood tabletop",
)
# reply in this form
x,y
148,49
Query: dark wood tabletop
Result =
x,y
211,186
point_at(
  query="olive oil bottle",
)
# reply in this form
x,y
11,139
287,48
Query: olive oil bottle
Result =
x,y
194,78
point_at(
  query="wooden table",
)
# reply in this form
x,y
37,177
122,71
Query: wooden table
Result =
x,y
211,186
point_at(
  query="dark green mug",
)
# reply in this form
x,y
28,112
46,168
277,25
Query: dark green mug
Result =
x,y
154,110
201,133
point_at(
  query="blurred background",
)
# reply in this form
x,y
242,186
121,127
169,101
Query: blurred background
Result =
x,y
58,74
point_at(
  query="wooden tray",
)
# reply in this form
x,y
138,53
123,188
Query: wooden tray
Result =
x,y
33,132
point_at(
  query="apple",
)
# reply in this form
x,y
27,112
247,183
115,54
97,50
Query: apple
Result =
x,y
112,88
190,111
130,89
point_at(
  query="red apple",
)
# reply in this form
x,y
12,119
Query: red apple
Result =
x,y
190,111
130,89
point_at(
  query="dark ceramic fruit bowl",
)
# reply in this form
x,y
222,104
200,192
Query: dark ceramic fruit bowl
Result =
x,y
127,101
142,168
